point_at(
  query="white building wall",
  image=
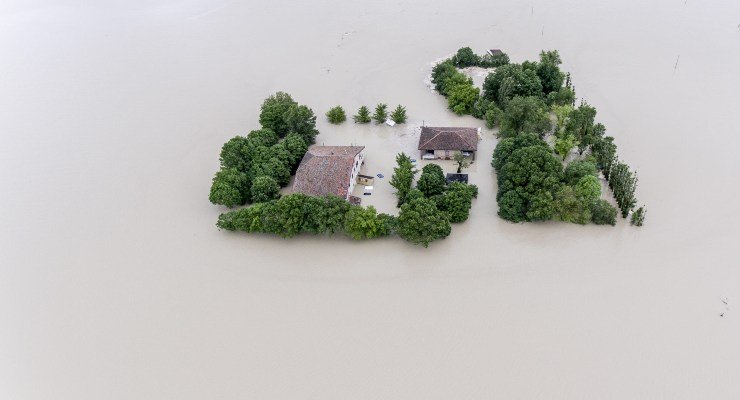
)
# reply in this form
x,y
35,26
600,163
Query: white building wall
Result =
x,y
359,158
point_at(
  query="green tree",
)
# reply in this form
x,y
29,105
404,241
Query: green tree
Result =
x,y
605,153
580,124
264,188
381,113
462,98
562,112
336,115
588,189
403,177
441,74
525,114
507,146
603,213
365,223
569,207
638,217
301,120
529,172
273,168
461,161
296,147
511,80
236,154
623,183
493,61
420,222
363,116
457,79
457,201
325,214
465,57
548,70
432,180
576,170
274,110
562,97
564,144
399,115
230,188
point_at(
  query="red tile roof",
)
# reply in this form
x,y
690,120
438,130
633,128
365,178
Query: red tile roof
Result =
x,y
448,138
326,170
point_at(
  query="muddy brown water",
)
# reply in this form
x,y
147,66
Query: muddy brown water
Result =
x,y
115,283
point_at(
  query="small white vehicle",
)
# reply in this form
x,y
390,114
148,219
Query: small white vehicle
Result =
x,y
428,156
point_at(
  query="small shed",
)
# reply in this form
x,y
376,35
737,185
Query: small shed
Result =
x,y
457,178
495,52
366,180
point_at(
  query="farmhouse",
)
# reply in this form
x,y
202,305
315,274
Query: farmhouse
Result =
x,y
445,142
329,170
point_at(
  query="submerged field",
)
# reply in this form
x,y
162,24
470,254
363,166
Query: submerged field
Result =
x,y
115,283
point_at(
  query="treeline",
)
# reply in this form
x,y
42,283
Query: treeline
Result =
x,y
253,168
427,210
299,213
521,99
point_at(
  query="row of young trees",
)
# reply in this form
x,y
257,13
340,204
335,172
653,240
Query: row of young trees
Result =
x,y
428,209
253,168
336,115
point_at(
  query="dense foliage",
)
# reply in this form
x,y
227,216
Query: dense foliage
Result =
x,y
421,222
336,115
262,153
525,115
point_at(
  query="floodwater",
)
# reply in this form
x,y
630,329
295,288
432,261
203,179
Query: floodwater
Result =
x,y
115,283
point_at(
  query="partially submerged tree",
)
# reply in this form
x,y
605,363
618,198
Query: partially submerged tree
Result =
x,y
420,222
432,180
381,113
462,98
399,115
230,188
274,110
336,115
525,115
465,57
638,217
564,144
363,116
403,177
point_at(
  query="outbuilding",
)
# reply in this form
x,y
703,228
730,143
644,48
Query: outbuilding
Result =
x,y
444,142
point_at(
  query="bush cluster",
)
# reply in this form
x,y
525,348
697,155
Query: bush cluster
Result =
x,y
253,168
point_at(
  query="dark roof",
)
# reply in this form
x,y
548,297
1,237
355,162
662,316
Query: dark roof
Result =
x,y
495,52
448,138
326,170
457,178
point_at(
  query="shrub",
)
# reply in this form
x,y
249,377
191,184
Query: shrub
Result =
x,y
336,115
638,217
